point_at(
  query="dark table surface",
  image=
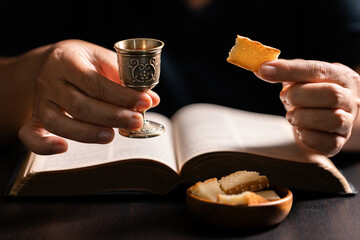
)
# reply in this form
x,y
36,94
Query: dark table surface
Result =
x,y
313,215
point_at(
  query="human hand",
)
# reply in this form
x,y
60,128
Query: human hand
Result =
x,y
322,101
78,95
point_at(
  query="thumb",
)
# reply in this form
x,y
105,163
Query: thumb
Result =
x,y
35,138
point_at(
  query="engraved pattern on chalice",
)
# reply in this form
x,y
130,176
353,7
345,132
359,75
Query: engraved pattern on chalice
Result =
x,y
142,73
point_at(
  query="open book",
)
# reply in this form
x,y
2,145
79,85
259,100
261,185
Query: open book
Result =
x,y
201,141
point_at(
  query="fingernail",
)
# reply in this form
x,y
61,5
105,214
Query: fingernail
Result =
x,y
268,72
105,136
142,105
136,121
283,97
289,116
59,148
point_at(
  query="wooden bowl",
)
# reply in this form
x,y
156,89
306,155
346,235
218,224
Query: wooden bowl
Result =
x,y
240,216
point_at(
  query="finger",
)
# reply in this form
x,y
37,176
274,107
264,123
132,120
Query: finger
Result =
x,y
90,110
33,135
327,120
322,142
99,87
61,92
84,73
282,96
317,95
300,71
154,97
56,122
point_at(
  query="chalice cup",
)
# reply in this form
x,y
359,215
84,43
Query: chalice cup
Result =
x,y
139,68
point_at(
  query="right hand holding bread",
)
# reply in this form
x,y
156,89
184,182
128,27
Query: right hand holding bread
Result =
x,y
322,100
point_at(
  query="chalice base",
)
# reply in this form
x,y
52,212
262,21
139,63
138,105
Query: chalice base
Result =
x,y
148,130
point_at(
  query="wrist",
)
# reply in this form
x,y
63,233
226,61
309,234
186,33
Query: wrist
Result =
x,y
17,79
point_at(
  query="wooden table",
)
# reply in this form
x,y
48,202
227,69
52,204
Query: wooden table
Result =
x,y
313,216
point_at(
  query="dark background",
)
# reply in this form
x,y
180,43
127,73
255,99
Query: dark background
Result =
x,y
197,39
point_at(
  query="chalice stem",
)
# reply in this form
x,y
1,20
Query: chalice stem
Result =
x,y
143,115
143,111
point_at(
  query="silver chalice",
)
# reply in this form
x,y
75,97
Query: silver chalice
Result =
x,y
139,68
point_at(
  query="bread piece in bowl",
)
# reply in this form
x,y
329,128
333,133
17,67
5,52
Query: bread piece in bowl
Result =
x,y
242,181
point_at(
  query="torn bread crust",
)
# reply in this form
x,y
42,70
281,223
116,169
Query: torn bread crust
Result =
x,y
249,54
269,195
255,185
208,189
245,198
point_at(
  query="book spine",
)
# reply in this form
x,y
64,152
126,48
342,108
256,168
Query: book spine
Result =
x,y
15,190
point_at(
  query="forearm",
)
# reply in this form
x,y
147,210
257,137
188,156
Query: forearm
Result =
x,y
17,79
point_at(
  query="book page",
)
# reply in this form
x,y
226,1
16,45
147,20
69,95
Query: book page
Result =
x,y
121,148
203,128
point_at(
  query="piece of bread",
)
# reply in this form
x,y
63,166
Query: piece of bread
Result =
x,y
242,181
208,189
245,198
270,195
250,54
